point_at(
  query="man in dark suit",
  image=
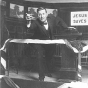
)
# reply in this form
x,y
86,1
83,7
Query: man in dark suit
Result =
x,y
42,28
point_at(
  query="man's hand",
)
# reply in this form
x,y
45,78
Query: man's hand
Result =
x,y
71,28
29,17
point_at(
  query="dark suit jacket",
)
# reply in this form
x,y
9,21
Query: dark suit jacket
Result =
x,y
39,31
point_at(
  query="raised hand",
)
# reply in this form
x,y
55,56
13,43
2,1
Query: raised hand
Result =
x,y
29,17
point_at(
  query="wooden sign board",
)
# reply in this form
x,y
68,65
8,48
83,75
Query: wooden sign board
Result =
x,y
79,18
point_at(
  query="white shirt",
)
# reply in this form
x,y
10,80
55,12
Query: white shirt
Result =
x,y
46,25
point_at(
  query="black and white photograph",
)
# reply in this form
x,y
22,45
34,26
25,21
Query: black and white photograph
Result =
x,y
43,43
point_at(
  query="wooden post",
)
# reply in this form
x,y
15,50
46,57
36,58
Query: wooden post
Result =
x,y
0,35
79,77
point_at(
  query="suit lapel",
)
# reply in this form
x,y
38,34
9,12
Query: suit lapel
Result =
x,y
42,28
50,25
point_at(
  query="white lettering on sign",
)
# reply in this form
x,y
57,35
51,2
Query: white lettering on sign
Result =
x,y
79,18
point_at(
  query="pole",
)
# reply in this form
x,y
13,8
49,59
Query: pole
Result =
x,y
79,63
0,35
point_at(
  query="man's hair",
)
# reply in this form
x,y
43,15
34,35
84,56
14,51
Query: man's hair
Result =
x,y
41,8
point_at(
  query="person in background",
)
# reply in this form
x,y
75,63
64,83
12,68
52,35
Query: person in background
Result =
x,y
42,28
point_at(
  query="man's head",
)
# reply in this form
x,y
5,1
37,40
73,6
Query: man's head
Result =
x,y
42,14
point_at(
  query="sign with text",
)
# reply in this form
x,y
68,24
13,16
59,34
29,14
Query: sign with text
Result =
x,y
79,18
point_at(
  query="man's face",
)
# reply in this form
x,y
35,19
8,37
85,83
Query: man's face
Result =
x,y
42,15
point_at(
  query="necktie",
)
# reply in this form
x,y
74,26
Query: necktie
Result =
x,y
45,23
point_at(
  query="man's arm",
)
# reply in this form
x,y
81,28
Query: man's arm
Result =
x,y
30,23
61,24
